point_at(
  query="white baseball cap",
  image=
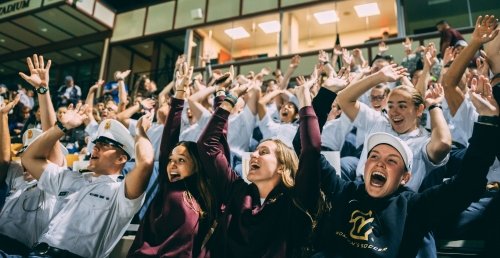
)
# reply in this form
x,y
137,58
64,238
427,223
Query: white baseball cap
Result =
x,y
375,139
113,132
30,135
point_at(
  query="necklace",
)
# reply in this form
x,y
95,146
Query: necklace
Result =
x,y
192,203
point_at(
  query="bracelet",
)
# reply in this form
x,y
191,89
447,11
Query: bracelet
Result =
x,y
431,107
220,93
325,62
119,79
61,126
490,120
231,99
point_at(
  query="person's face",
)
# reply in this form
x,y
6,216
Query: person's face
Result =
x,y
150,86
271,86
100,106
440,27
379,64
105,156
378,99
384,171
264,164
402,112
69,83
26,113
38,115
60,112
30,93
180,164
287,113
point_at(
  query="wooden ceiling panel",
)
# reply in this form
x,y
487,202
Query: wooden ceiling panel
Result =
x,y
82,17
78,53
10,43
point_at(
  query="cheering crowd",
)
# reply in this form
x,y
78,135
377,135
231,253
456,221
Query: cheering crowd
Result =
x,y
418,144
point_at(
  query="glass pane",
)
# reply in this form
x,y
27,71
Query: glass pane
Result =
x,y
221,9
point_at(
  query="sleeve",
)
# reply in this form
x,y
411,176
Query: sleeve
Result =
x,y
214,152
335,131
14,171
307,179
171,132
91,128
55,178
464,120
367,117
268,127
454,195
128,207
132,124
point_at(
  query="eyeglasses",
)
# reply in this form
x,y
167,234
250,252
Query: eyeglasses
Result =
x,y
377,98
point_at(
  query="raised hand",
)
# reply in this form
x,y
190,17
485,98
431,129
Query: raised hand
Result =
x,y
241,89
346,58
6,108
183,77
434,95
121,75
147,104
392,73
448,55
96,86
295,61
430,56
382,47
39,73
144,123
482,97
323,56
407,43
485,29
337,83
74,116
483,68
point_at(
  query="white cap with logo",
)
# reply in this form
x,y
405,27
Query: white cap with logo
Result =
x,y
375,139
30,135
115,133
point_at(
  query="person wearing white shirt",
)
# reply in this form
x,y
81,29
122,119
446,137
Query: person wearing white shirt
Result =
x,y
101,202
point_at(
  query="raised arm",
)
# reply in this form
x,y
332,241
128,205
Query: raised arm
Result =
x,y
35,158
137,180
440,143
195,100
283,84
348,98
39,79
264,100
122,92
5,152
124,116
485,31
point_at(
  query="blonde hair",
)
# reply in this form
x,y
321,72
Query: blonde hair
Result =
x,y
287,157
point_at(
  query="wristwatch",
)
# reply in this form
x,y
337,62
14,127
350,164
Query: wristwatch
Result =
x,y
42,90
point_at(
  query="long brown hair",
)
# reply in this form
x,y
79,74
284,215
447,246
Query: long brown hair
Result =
x,y
287,157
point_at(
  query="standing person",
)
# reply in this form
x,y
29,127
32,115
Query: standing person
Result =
x,y
273,215
103,200
69,93
178,220
449,36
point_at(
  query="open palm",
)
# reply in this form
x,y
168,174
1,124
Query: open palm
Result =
x,y
39,73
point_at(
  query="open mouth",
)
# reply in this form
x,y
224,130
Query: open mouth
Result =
x,y
397,120
174,176
94,157
377,106
254,166
377,179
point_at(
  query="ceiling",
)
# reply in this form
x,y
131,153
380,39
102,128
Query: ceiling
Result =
x,y
308,26
61,33
126,5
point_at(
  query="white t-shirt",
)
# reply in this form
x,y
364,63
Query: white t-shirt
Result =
x,y
240,129
154,134
273,130
96,216
192,132
27,210
373,121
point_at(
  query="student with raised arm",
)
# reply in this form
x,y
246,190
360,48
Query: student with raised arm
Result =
x,y
272,216
178,221
382,217
405,107
103,200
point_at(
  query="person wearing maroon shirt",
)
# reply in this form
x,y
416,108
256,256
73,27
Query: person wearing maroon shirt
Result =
x,y
272,216
449,36
178,221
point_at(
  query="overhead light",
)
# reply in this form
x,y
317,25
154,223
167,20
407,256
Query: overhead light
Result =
x,y
270,27
365,10
237,33
326,17
44,29
78,54
145,46
2,40
2,70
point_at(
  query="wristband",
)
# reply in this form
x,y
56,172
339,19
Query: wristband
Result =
x,y
231,99
61,126
431,107
491,120
220,93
